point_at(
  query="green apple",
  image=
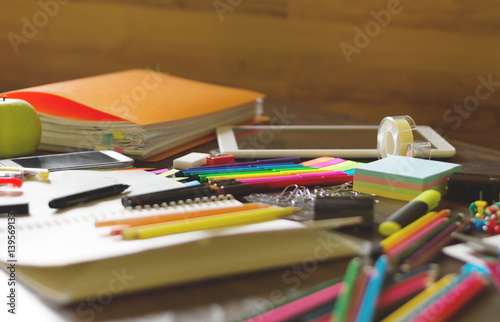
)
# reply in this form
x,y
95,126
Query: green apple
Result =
x,y
20,129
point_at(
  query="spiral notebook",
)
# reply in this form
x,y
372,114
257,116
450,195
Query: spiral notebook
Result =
x,y
64,257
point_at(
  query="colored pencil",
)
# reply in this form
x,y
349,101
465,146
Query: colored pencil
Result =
x,y
431,251
361,283
137,221
405,288
216,221
415,246
407,274
405,244
433,241
261,312
407,231
342,304
301,305
261,174
452,301
409,307
373,288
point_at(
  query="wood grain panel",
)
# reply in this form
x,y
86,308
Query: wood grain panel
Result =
x,y
427,57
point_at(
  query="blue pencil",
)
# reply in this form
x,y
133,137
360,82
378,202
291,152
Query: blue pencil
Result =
x,y
369,302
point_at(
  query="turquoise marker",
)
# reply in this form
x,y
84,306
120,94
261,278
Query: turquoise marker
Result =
x,y
370,298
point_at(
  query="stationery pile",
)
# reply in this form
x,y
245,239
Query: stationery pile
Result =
x,y
403,178
141,113
218,231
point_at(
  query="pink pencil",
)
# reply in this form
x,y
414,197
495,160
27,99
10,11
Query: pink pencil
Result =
x,y
415,237
401,290
299,306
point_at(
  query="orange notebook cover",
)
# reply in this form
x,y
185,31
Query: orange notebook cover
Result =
x,y
140,96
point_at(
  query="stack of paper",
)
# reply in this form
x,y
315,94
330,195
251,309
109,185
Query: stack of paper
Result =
x,y
403,178
141,113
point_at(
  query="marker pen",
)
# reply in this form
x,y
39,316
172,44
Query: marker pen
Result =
x,y
414,209
300,180
27,172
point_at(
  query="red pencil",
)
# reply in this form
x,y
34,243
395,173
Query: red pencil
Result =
x,y
442,310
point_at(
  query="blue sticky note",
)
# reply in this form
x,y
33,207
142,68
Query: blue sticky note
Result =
x,y
406,169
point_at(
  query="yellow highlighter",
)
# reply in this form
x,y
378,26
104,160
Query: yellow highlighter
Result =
x,y
217,221
413,210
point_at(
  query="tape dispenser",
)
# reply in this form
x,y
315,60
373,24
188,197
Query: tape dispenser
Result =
x,y
396,136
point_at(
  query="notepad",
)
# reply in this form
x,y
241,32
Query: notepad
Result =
x,y
142,113
403,178
64,257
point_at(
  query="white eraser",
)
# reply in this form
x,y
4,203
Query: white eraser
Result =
x,y
191,160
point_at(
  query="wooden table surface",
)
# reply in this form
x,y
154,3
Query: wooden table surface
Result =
x,y
230,298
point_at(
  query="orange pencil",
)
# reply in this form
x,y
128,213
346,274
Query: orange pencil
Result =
x,y
139,221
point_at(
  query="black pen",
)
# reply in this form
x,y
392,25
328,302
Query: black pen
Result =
x,y
86,196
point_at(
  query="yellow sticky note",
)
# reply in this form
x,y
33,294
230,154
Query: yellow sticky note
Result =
x,y
118,135
169,173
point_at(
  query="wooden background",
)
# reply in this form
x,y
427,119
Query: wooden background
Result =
x,y
425,58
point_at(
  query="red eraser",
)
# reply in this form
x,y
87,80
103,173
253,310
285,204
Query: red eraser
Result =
x,y
220,159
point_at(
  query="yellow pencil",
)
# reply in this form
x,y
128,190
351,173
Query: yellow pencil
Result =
x,y
217,221
415,302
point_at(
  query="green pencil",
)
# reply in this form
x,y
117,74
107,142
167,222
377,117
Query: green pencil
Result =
x,y
342,305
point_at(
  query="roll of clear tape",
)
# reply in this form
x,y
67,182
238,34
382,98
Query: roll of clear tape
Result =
x,y
395,134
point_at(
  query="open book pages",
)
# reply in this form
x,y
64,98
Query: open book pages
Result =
x,y
138,141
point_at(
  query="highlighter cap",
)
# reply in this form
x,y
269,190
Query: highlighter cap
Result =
x,y
388,228
429,197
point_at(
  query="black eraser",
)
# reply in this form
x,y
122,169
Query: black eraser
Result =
x,y
341,207
469,187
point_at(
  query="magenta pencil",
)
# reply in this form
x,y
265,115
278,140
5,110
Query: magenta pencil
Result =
x,y
301,305
441,310
415,237
442,235
433,251
405,288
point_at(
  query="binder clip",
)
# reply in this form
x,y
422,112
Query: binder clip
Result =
x,y
396,136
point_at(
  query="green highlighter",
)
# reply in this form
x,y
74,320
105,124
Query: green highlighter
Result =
x,y
410,212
